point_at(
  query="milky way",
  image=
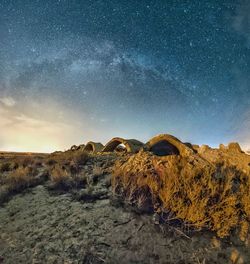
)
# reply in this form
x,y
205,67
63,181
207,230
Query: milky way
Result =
x,y
71,71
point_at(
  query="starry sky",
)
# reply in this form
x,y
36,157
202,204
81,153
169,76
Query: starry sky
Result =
x,y
73,71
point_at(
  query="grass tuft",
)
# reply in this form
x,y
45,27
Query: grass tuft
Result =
x,y
22,178
5,167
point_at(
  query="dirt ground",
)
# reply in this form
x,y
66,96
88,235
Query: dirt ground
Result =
x,y
87,225
38,226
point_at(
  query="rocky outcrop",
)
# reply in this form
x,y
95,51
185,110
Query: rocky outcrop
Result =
x,y
81,147
131,145
167,144
93,147
163,144
73,148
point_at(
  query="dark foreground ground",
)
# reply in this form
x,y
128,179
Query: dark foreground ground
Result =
x,y
44,225
39,227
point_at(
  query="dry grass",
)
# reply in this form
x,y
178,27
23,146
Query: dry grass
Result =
x,y
66,169
22,178
58,174
80,158
5,167
27,161
11,162
61,178
77,158
200,193
98,171
19,178
20,171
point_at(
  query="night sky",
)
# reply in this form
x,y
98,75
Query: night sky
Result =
x,y
73,71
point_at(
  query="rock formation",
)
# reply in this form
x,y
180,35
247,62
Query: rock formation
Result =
x,y
131,145
93,147
165,144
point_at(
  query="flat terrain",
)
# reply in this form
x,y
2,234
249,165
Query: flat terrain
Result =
x,y
37,227
70,214
13,155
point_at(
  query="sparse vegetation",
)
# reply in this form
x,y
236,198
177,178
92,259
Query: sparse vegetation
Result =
x,y
62,178
20,178
63,169
59,176
198,191
98,171
66,170
27,161
78,158
200,194
5,167
51,162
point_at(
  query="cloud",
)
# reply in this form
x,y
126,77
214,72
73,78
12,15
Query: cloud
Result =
x,y
243,133
27,130
241,21
241,106
20,132
8,101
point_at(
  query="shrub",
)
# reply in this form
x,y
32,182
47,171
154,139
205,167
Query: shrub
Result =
x,y
80,158
14,165
27,161
60,177
77,158
51,162
201,194
38,164
98,171
65,169
20,178
5,167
